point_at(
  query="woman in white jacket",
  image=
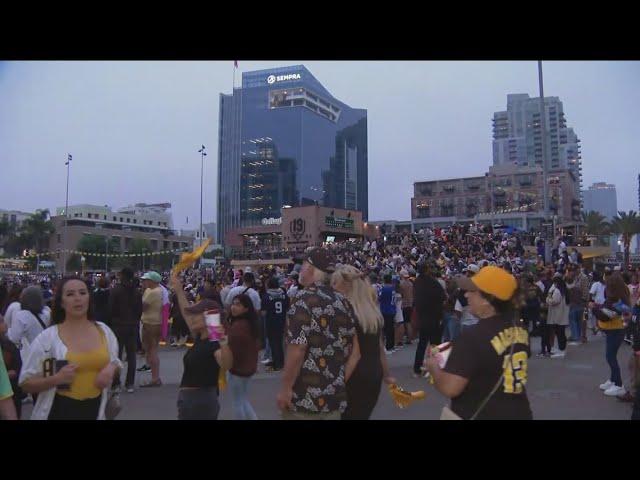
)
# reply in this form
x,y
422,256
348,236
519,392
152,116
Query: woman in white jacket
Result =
x,y
71,364
558,316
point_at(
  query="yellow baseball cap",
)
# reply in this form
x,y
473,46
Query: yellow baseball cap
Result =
x,y
492,280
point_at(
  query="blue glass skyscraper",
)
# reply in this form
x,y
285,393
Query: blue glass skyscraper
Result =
x,y
285,140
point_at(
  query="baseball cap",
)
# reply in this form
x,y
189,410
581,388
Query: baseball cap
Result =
x,y
473,268
321,259
153,276
492,280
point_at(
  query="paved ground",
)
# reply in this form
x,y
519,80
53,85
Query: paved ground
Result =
x,y
558,389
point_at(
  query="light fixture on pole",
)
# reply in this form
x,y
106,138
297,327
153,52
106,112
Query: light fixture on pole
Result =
x,y
203,154
66,216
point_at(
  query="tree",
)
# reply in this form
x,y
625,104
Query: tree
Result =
x,y
97,245
37,228
627,225
140,246
596,224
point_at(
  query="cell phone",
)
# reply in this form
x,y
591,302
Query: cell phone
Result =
x,y
60,364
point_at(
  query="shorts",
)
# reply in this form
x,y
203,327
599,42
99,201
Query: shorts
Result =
x,y
150,336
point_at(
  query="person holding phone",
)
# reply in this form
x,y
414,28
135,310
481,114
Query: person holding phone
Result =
x,y
71,364
198,396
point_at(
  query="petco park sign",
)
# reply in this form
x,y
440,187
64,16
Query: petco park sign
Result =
x,y
271,79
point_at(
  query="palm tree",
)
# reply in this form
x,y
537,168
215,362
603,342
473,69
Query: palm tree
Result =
x,y
626,225
37,228
596,224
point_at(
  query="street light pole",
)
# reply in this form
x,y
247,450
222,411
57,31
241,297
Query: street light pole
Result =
x,y
66,216
106,256
203,154
545,167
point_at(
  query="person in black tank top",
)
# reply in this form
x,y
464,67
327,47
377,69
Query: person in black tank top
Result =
x,y
363,388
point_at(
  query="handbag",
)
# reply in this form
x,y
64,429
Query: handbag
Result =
x,y
113,407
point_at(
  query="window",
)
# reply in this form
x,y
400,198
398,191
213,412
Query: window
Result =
x,y
121,219
58,238
115,219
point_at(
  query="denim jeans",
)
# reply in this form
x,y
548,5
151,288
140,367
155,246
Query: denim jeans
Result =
x,y
242,409
614,340
575,322
451,327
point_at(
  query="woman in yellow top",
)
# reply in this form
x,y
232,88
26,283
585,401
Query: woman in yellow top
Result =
x,y
74,361
612,325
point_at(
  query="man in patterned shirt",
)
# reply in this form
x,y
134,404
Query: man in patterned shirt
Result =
x,y
322,347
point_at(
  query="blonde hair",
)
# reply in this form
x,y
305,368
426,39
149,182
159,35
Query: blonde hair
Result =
x,y
361,295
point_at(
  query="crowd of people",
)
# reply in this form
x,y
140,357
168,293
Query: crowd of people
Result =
x,y
327,323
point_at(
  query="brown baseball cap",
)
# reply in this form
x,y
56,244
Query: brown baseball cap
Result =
x,y
321,259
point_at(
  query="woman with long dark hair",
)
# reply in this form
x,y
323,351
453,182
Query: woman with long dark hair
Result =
x,y
71,365
558,317
243,332
610,322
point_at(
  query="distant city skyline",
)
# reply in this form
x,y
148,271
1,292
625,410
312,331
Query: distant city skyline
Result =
x,y
134,128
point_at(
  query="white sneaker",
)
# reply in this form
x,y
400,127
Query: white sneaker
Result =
x,y
388,352
606,385
615,391
265,361
558,355
554,351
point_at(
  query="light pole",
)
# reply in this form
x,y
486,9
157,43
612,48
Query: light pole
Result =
x,y
66,216
203,154
106,256
545,171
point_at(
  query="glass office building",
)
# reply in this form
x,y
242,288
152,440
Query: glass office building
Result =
x,y
285,140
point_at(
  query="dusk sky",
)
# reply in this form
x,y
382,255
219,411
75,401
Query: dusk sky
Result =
x,y
134,128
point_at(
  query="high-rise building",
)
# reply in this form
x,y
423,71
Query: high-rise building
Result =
x,y
601,197
285,140
517,136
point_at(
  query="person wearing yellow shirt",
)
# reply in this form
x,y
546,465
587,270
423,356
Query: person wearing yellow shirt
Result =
x,y
71,364
610,322
152,324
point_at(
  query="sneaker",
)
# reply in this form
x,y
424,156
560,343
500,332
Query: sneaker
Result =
x,y
558,355
606,385
144,368
174,344
543,355
130,389
266,361
399,346
116,390
615,391
629,341
554,351
388,352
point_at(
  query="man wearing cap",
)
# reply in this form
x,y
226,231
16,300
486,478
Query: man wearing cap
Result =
x,y
486,371
152,324
322,348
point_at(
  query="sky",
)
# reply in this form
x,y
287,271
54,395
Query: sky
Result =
x,y
134,128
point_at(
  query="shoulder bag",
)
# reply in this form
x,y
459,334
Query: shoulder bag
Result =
x,y
448,414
